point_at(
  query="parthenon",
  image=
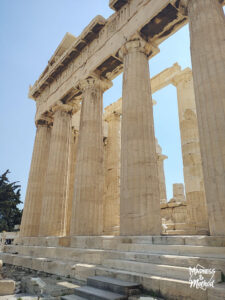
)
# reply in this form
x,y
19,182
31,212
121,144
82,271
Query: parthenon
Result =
x,y
97,182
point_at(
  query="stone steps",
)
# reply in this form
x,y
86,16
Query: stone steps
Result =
x,y
159,285
181,273
110,242
217,293
88,292
159,263
183,249
206,251
106,288
169,259
72,297
96,256
77,254
200,240
114,285
52,266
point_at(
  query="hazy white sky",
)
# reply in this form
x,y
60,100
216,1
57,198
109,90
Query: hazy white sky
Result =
x,y
30,31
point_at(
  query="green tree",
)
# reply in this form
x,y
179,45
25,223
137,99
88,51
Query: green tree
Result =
x,y
10,214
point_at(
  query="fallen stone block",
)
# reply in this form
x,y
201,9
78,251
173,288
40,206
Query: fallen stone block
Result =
x,y
7,287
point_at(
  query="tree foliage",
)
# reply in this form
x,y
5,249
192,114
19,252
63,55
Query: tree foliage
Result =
x,y
10,214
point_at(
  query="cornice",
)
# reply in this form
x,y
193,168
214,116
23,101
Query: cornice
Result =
x,y
74,50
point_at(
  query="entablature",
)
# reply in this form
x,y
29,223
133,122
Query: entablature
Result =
x,y
74,46
99,52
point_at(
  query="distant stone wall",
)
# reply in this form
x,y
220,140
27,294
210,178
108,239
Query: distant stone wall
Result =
x,y
175,212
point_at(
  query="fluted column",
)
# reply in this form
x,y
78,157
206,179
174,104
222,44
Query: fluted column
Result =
x,y
161,173
72,168
33,202
178,193
162,181
139,192
87,218
111,205
54,206
207,34
192,162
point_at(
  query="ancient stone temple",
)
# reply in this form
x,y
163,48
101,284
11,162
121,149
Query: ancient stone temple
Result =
x,y
96,201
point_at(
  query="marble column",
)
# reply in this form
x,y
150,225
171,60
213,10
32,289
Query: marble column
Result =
x,y
192,162
178,192
53,222
72,168
33,202
162,181
139,187
207,35
87,217
161,173
111,205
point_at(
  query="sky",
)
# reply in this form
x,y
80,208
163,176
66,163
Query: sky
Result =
x,y
30,31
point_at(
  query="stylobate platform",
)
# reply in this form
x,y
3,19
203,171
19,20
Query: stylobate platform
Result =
x,y
160,263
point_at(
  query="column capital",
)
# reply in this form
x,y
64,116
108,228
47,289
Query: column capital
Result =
x,y
93,81
63,108
43,121
183,76
138,44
